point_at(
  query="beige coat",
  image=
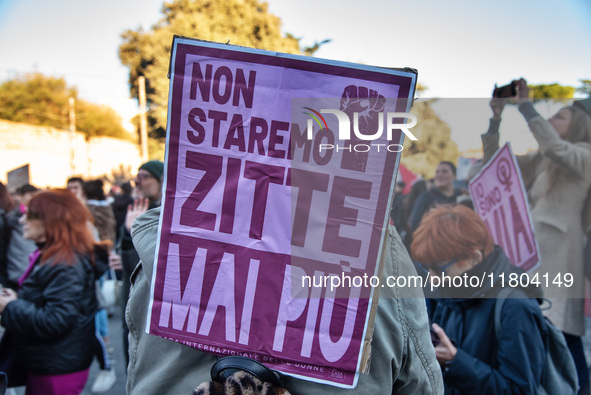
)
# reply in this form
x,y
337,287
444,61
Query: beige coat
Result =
x,y
557,217
402,357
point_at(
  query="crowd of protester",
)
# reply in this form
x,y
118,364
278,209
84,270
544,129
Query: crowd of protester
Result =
x,y
446,237
70,230
58,247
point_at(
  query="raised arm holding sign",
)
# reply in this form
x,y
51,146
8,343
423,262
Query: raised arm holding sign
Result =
x,y
557,179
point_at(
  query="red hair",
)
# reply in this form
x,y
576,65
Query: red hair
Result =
x,y
66,229
450,232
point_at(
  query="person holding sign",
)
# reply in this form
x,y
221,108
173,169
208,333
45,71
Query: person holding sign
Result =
x,y
453,243
557,178
402,357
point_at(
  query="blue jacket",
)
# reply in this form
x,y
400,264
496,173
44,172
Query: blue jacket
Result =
x,y
513,363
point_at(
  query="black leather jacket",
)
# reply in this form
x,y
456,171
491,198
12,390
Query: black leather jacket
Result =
x,y
52,321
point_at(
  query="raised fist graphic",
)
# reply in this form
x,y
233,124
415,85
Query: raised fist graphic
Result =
x,y
368,103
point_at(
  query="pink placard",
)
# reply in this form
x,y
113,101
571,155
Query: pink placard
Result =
x,y
501,201
252,205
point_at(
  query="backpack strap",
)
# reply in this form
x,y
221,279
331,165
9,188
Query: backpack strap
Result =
x,y
501,296
227,366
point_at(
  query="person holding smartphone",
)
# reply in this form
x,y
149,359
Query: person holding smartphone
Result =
x,y
557,178
453,241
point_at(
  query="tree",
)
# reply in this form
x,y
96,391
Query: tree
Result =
x,y
36,99
97,120
585,87
552,91
420,88
433,143
241,22
40,100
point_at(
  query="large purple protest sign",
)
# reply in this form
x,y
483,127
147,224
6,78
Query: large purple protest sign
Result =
x,y
500,199
256,200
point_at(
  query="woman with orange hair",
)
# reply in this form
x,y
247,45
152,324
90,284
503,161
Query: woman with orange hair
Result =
x,y
51,319
453,244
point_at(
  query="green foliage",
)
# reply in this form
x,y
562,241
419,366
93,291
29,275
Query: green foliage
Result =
x,y
420,88
40,100
552,91
311,50
240,22
433,143
36,99
585,87
96,120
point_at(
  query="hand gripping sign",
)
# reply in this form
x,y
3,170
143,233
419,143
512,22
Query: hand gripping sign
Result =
x,y
500,199
258,220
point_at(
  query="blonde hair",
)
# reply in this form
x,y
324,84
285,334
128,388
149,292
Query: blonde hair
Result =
x,y
579,131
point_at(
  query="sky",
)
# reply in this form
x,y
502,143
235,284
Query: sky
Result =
x,y
460,48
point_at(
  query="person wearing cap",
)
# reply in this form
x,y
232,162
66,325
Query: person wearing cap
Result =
x,y
148,183
557,178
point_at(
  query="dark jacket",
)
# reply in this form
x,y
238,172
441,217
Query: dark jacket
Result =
x,y
396,211
425,201
129,256
513,363
119,206
52,321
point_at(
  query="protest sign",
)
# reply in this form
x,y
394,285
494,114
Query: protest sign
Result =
x,y
17,178
501,201
261,193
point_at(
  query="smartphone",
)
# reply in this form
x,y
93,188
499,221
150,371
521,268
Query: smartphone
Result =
x,y
505,91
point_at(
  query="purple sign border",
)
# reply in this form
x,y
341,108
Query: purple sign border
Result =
x,y
535,261
183,47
